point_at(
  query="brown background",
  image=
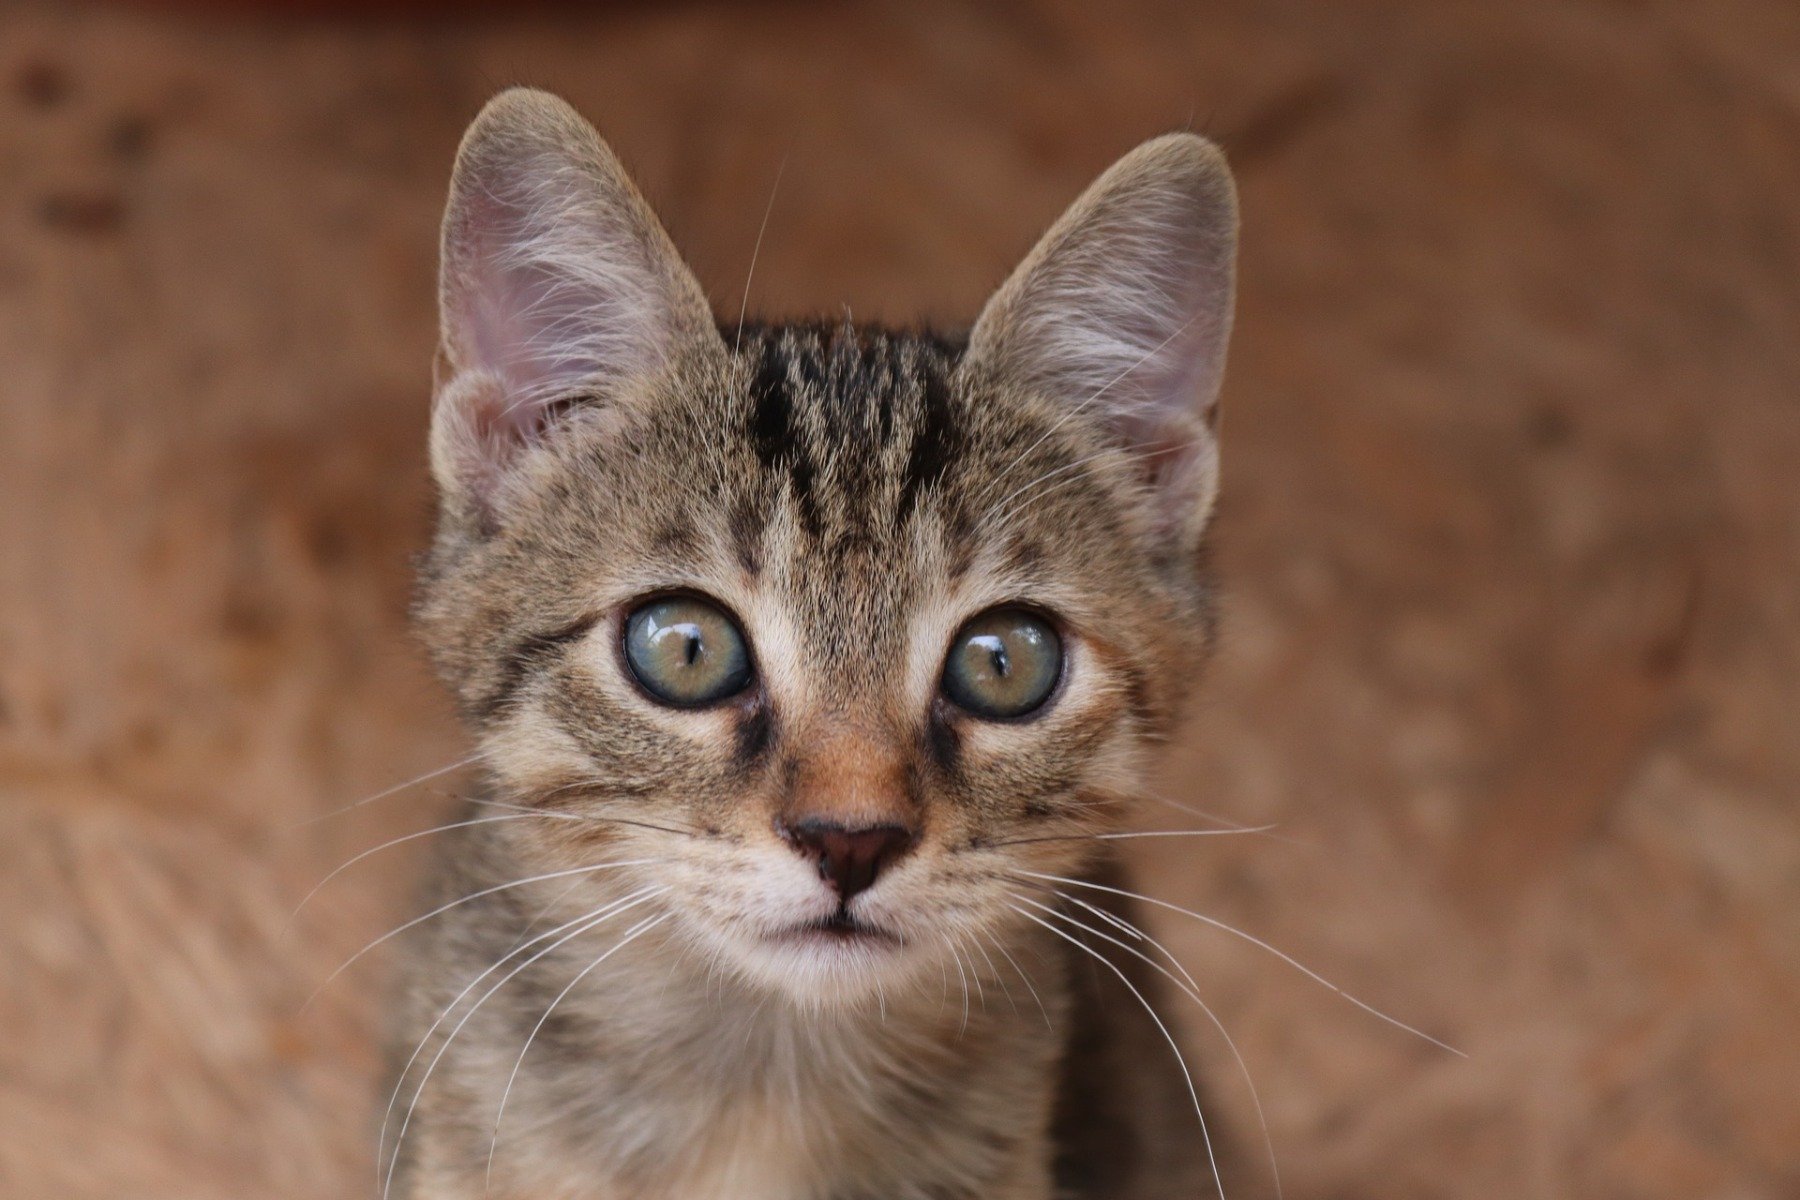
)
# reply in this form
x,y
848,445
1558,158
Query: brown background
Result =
x,y
1510,531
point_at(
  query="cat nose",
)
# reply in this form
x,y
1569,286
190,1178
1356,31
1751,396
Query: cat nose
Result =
x,y
848,858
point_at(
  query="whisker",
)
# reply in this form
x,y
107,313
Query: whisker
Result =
x,y
557,814
395,790
1226,822
980,992
1128,835
1289,959
1190,988
944,977
550,904
978,942
412,1106
1193,1091
1163,833
744,305
444,908
1000,945
1190,810
579,925
405,837
560,815
999,511
631,935
963,976
1120,923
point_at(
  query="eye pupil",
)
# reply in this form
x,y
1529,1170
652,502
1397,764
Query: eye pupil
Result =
x,y
1003,664
686,652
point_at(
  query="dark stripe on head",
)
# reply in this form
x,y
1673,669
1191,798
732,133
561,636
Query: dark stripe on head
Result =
x,y
936,442
959,535
1024,555
678,539
773,431
771,415
746,529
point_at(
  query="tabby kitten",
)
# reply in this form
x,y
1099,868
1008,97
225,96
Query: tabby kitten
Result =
x,y
805,661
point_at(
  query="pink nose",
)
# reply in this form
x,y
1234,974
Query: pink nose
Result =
x,y
848,858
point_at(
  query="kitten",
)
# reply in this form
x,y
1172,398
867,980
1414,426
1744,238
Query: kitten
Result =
x,y
802,657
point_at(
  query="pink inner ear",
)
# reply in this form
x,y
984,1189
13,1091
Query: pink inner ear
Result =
x,y
1175,454
500,420
551,287
526,328
559,289
484,292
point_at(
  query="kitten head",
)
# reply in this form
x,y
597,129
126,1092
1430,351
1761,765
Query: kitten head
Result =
x,y
841,627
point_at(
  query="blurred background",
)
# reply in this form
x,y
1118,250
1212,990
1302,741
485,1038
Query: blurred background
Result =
x,y
1510,535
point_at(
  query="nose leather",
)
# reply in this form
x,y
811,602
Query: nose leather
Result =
x,y
848,858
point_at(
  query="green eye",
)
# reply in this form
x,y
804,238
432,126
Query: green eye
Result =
x,y
686,652
1002,664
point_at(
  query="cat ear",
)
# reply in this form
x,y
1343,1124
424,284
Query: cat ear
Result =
x,y
1123,311
557,286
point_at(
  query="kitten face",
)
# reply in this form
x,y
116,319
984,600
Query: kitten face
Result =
x,y
815,515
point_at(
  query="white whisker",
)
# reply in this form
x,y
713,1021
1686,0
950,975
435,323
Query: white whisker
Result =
x,y
1000,945
444,908
540,914
579,925
1166,833
980,992
395,790
1193,1091
406,837
1129,835
755,251
1267,831
963,976
558,815
1188,986
978,942
631,935
1254,941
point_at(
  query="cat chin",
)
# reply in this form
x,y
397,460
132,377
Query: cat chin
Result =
x,y
822,967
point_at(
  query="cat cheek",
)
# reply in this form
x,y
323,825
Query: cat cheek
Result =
x,y
532,751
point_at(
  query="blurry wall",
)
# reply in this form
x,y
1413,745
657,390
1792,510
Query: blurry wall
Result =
x,y
1509,535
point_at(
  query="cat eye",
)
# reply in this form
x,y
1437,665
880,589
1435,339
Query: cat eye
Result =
x,y
1003,664
686,652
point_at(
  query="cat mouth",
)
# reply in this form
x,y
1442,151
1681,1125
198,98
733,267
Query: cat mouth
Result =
x,y
841,928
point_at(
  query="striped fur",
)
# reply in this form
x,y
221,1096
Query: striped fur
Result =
x,y
852,495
